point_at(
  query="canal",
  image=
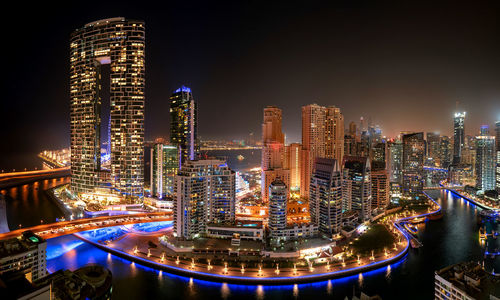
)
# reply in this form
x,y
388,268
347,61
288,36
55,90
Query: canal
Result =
x,y
452,239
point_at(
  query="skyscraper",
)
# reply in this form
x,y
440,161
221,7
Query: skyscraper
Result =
x,y
164,167
433,143
184,124
106,54
485,161
325,199
445,152
356,186
413,163
204,193
395,161
497,171
380,188
334,133
294,164
322,136
278,198
458,137
273,151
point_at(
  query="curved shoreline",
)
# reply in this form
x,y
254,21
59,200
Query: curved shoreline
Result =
x,y
246,279
267,280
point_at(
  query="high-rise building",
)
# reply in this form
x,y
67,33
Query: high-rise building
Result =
x,y
413,163
278,198
433,146
334,133
356,186
445,151
380,188
485,161
379,153
107,58
204,193
164,167
273,151
294,164
26,255
497,170
322,136
395,161
184,124
325,199
458,137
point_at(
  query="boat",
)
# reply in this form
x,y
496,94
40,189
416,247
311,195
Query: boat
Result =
x,y
240,157
411,228
414,244
436,216
418,220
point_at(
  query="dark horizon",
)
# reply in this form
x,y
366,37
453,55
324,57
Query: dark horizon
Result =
x,y
403,65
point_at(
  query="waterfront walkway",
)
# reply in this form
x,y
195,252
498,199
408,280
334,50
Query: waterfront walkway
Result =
x,y
156,258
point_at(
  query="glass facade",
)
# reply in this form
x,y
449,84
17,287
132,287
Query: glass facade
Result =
x,y
121,44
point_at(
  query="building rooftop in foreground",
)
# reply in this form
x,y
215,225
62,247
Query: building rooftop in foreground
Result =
x,y
26,242
466,280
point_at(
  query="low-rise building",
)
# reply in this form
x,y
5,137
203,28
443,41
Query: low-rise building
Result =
x,y
466,281
26,255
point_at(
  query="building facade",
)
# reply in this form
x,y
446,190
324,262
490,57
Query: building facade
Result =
x,y
458,137
485,162
184,124
322,136
413,163
356,186
278,198
325,199
108,53
273,151
204,193
25,255
164,167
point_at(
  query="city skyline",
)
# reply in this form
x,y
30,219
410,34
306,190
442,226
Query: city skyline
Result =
x,y
372,167
375,70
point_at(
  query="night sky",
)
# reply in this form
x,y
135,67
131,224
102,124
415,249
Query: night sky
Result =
x,y
402,65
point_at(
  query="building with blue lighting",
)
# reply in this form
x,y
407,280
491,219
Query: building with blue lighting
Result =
x,y
184,124
485,161
278,198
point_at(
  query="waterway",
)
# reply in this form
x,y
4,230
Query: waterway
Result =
x,y
450,240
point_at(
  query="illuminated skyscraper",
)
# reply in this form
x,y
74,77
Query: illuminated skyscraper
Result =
x,y
294,163
116,47
497,170
433,143
458,137
273,151
204,193
356,186
184,124
413,163
278,198
380,188
325,199
395,161
485,161
322,136
445,152
164,167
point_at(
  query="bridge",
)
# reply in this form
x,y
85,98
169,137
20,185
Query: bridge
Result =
x,y
52,230
19,178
